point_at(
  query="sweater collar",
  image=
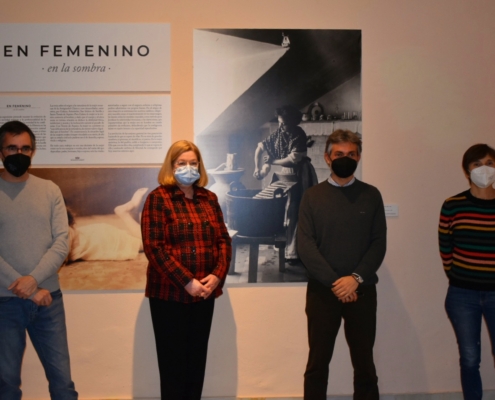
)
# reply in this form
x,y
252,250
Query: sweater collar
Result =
x,y
333,183
476,200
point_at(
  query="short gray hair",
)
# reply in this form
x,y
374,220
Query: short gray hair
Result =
x,y
344,136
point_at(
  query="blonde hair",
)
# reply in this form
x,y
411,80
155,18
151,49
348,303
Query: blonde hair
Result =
x,y
166,175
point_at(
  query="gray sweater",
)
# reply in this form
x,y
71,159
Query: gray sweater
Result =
x,y
33,232
342,230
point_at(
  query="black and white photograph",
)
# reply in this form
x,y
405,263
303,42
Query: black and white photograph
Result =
x,y
104,207
265,101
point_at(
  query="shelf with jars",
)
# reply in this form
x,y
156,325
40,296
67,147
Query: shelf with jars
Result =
x,y
324,128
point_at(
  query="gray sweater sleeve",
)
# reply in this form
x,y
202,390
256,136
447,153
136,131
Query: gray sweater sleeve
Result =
x,y
307,248
53,259
7,273
375,254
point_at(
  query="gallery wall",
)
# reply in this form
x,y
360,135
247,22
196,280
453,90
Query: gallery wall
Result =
x,y
428,94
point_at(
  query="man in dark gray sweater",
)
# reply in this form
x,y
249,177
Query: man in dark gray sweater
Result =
x,y
341,240
33,245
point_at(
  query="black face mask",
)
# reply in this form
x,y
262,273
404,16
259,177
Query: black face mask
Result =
x,y
344,167
17,164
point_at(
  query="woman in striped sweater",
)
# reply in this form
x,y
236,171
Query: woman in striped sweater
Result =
x,y
467,248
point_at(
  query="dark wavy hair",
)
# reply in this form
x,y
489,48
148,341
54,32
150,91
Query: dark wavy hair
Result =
x,y
476,152
290,114
16,128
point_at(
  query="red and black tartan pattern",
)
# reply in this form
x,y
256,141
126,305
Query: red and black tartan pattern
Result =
x,y
183,239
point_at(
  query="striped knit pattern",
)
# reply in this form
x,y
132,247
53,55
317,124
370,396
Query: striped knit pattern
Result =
x,y
467,241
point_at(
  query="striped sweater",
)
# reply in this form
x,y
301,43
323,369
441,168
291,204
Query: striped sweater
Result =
x,y
467,241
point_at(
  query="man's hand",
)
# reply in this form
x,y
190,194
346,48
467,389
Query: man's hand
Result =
x,y
210,282
24,286
344,287
42,298
197,289
350,299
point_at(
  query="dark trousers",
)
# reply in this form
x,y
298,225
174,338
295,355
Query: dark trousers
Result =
x,y
181,335
325,312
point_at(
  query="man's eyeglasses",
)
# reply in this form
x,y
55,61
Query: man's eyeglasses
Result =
x,y
193,164
26,150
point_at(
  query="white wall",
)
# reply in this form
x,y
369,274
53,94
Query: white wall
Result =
x,y
428,94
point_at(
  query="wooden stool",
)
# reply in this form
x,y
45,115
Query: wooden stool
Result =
x,y
278,240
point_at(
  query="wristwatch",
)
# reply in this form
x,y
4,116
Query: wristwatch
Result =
x,y
357,278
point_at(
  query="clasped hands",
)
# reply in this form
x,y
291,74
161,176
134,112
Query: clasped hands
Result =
x,y
203,288
26,286
345,289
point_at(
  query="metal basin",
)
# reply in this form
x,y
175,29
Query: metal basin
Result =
x,y
255,217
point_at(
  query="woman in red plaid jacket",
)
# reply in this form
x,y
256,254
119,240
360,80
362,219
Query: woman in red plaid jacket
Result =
x,y
189,249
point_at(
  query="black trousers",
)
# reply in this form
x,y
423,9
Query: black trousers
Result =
x,y
181,335
325,313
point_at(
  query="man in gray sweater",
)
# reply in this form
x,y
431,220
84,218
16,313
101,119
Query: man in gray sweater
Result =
x,y
33,246
341,240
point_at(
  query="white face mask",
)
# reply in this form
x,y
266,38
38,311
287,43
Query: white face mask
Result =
x,y
483,176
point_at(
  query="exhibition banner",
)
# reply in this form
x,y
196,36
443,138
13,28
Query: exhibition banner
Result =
x,y
90,129
84,57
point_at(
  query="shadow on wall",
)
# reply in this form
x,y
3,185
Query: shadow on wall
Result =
x,y
397,339
222,366
146,380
